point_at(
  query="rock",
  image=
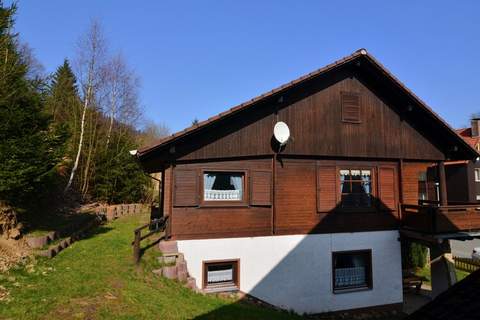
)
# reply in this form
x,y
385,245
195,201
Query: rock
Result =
x,y
158,272
37,242
168,247
169,272
182,276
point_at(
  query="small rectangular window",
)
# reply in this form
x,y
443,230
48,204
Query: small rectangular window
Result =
x,y
422,186
478,197
477,175
352,270
350,107
356,188
221,275
223,186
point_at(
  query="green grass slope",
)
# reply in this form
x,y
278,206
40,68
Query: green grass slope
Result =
x,y
95,278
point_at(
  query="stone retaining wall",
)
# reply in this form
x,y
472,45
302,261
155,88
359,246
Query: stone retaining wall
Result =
x,y
115,211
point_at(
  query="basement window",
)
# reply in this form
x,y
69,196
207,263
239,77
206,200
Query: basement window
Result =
x,y
352,270
221,275
223,186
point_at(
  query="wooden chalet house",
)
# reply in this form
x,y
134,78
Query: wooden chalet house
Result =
x,y
313,225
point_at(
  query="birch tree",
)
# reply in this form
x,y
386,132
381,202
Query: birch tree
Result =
x,y
121,86
91,52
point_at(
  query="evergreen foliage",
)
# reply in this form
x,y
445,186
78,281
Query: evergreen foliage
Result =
x,y
29,146
41,123
417,255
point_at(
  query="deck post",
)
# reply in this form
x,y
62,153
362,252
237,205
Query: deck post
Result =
x,y
442,183
442,268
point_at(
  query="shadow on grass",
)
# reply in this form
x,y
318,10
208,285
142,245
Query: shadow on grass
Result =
x,y
95,231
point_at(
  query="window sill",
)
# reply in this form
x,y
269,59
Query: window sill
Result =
x,y
348,290
223,204
221,288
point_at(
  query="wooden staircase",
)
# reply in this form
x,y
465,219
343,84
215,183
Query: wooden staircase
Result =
x,y
174,265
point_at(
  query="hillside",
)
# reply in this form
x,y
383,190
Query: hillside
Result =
x,y
95,278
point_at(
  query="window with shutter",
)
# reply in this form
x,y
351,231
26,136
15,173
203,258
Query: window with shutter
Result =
x,y
326,188
386,182
261,188
185,188
351,107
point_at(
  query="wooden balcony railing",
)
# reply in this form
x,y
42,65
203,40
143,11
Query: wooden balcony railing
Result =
x,y
430,217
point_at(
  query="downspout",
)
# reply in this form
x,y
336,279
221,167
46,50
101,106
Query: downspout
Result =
x,y
274,166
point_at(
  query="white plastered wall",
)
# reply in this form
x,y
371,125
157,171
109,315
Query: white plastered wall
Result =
x,y
295,272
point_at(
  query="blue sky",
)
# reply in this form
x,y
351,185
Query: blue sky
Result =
x,y
198,58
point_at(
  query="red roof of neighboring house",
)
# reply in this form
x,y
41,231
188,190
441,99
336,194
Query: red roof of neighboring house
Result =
x,y
361,53
466,134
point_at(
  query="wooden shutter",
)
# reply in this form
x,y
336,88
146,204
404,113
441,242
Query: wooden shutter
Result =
x,y
350,107
326,188
260,188
386,185
186,191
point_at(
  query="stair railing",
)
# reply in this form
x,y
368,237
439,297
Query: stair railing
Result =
x,y
155,226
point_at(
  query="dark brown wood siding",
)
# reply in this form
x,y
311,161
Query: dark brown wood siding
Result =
x,y
297,199
261,187
218,221
387,187
410,174
314,116
326,188
185,188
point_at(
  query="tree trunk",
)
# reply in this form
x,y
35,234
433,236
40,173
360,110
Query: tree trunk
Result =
x,y
80,142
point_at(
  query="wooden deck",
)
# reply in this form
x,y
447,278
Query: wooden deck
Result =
x,y
432,218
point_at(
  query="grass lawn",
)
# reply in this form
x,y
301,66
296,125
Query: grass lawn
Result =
x,y
425,272
95,278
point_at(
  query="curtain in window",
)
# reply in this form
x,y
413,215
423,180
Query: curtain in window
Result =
x,y
236,182
352,273
216,276
209,180
366,181
343,174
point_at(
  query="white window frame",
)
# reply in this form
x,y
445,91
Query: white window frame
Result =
x,y
477,174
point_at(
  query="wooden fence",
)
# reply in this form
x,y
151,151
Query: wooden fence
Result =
x,y
466,264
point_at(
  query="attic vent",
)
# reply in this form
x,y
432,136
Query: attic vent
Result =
x,y
350,107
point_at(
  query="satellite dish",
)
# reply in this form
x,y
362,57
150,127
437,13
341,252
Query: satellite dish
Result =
x,y
281,132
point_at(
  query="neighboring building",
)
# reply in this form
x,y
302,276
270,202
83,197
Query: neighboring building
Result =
x,y
464,176
312,225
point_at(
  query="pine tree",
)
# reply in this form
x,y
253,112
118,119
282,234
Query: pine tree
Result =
x,y
29,147
64,105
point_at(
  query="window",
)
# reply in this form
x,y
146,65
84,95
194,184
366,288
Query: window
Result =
x,y
478,197
223,186
356,187
422,186
350,107
221,275
352,270
477,175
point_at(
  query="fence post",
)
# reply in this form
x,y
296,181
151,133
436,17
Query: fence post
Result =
x,y
136,247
